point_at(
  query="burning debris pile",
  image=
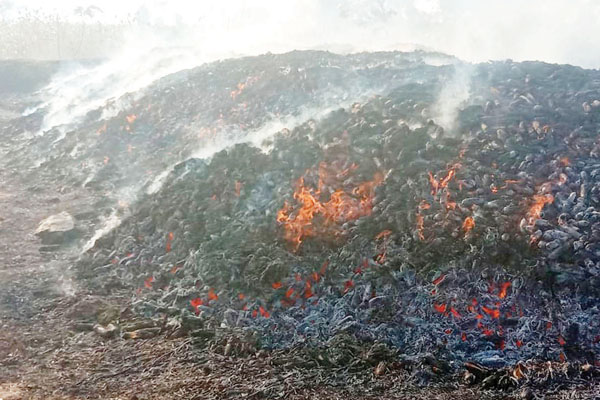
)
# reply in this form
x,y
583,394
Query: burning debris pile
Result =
x,y
480,244
133,139
128,145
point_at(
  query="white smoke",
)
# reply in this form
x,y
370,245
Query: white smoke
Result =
x,y
259,137
562,31
161,37
452,96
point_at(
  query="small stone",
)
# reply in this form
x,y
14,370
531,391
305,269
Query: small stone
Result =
x,y
107,331
57,229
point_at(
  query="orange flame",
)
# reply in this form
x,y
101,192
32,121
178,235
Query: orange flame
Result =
x,y
434,183
468,224
195,303
441,308
503,289
243,85
535,210
444,182
342,206
212,295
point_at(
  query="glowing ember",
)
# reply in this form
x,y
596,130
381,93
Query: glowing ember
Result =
x,y
468,224
439,280
348,285
170,237
308,293
565,162
494,313
315,277
324,268
487,332
212,295
131,118
264,312
196,303
441,308
455,313
315,216
276,285
148,282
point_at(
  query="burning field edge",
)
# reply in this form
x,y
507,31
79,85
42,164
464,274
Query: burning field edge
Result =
x,y
364,254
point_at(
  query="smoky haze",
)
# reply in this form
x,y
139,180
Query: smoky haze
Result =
x,y
554,31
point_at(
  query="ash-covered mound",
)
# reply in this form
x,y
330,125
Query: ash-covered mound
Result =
x,y
480,243
129,144
135,138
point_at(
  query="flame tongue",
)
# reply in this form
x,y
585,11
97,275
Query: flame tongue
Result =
x,y
468,224
313,215
535,210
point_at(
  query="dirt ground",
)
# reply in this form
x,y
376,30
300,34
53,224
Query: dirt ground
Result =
x,y
45,355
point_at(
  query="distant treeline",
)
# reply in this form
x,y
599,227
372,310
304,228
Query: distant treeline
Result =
x,y
51,38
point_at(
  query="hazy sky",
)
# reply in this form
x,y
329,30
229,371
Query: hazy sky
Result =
x,y
564,31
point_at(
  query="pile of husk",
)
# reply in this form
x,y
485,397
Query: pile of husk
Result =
x,y
476,243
